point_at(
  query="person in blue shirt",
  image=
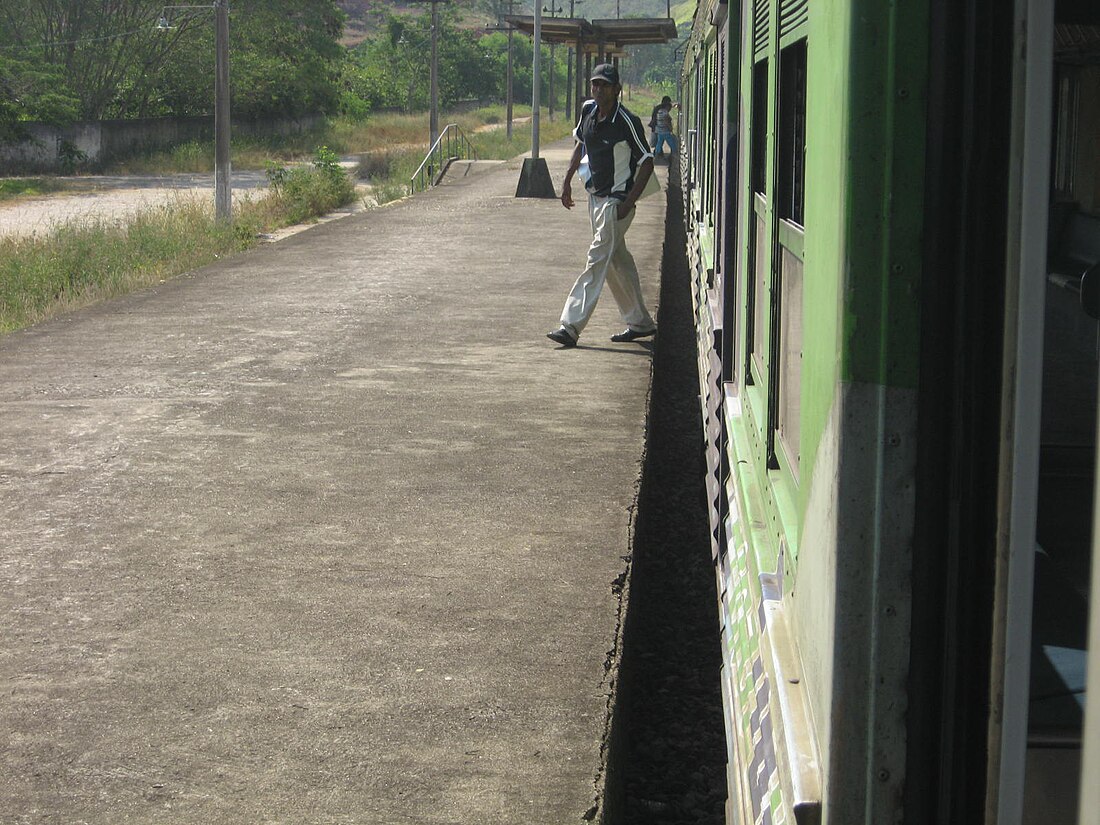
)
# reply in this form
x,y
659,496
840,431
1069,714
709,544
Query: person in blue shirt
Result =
x,y
615,163
661,124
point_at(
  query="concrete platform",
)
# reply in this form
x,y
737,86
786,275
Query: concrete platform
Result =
x,y
327,533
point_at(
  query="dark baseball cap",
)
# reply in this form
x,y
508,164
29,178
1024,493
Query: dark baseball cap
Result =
x,y
607,73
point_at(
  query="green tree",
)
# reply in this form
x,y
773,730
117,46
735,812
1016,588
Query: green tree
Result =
x,y
29,91
285,59
657,64
496,45
392,70
99,52
385,69
110,56
290,56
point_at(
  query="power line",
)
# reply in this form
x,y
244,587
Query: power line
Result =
x,y
114,36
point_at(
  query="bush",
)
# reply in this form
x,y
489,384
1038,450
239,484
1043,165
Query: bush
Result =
x,y
307,192
192,155
70,156
387,192
376,166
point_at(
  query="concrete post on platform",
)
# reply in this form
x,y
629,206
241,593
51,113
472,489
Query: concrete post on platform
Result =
x,y
534,178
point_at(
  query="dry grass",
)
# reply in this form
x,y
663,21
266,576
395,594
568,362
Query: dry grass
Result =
x,y
85,261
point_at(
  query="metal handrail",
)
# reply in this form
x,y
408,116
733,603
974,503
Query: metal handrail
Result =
x,y
451,145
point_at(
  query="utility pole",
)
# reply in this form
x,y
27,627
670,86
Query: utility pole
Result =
x,y
569,70
223,186
554,9
433,125
223,189
534,178
511,29
536,80
569,83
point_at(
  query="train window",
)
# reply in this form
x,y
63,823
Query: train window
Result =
x,y
706,130
719,118
727,247
759,116
791,195
712,134
789,403
790,205
758,294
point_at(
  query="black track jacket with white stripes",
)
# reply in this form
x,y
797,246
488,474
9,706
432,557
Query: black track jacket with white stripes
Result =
x,y
613,149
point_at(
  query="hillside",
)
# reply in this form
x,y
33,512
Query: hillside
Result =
x,y
365,15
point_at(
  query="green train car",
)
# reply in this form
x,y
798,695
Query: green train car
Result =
x,y
893,214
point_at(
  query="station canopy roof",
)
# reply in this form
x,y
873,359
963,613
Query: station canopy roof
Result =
x,y
613,33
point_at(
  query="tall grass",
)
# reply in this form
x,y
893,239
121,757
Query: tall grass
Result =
x,y
82,262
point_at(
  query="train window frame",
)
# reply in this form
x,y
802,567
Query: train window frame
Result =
x,y
705,139
791,138
728,181
787,269
712,155
759,309
757,291
758,127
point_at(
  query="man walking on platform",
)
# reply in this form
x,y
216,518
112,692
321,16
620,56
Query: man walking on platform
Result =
x,y
615,163
661,124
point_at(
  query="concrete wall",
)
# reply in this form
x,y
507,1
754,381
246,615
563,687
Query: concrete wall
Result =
x,y
105,140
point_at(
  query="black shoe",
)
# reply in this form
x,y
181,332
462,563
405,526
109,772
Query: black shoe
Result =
x,y
562,337
628,335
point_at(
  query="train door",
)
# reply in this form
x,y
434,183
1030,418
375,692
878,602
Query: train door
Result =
x,y
1019,561
1068,230
1009,360
1049,421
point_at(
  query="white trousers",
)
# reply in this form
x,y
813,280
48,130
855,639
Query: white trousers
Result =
x,y
608,260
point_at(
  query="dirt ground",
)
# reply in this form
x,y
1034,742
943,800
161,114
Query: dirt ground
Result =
x,y
113,198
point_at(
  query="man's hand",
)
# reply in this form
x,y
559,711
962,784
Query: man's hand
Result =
x,y
567,195
623,209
